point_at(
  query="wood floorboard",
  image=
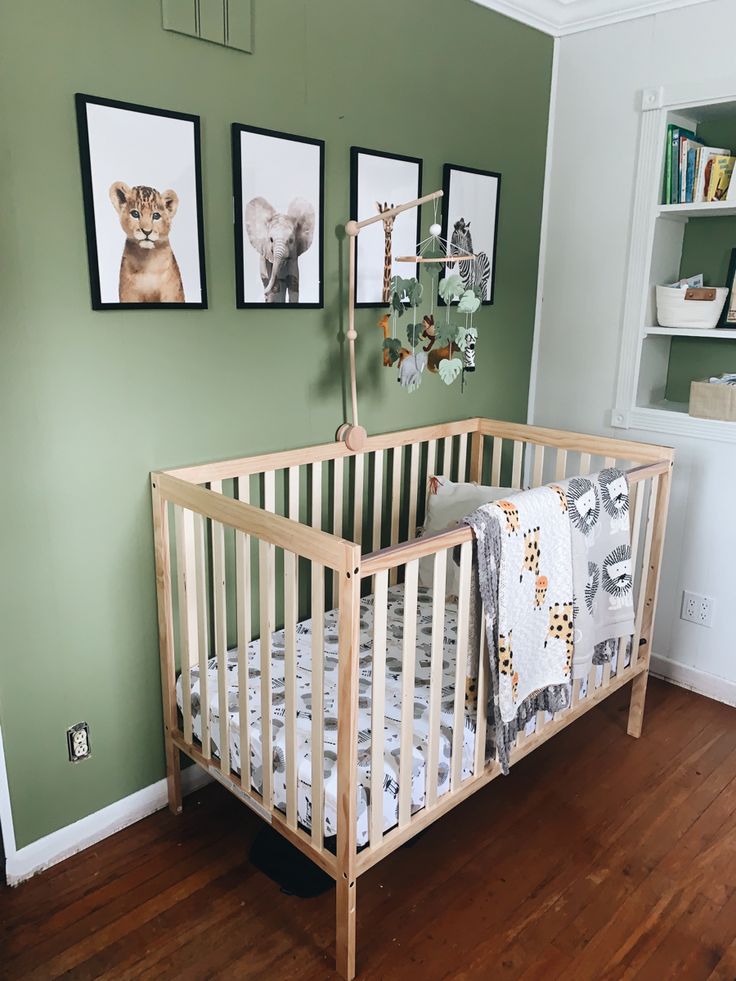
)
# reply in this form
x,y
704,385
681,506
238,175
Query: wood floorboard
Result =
x,y
601,858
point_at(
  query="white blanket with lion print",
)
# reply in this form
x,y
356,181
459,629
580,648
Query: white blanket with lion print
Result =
x,y
535,596
598,509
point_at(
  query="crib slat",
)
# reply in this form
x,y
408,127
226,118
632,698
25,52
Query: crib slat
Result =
x,y
267,590
397,458
537,474
220,618
461,664
609,462
462,457
243,615
380,604
318,695
294,493
290,618
447,457
377,499
414,452
184,532
337,496
516,464
269,504
408,687
358,499
636,499
584,463
200,565
482,698
560,464
431,459
435,679
316,478
496,461
648,534
591,679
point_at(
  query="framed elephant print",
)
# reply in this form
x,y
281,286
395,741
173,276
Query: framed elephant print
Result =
x,y
279,218
379,181
142,191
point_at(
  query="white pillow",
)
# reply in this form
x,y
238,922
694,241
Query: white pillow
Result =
x,y
446,508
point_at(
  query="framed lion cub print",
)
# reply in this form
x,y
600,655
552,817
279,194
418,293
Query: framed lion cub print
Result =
x,y
142,190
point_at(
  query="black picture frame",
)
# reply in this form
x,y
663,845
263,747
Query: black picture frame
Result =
x,y
241,251
93,221
449,216
355,153
729,307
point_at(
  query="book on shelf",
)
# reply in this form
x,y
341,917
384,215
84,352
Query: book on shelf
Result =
x,y
686,143
703,169
720,177
693,172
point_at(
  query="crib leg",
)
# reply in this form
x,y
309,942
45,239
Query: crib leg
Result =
x,y
345,946
636,705
173,776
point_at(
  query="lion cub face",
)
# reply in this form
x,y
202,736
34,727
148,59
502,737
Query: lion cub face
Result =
x,y
145,214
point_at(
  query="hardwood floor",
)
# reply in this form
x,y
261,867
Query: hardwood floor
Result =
x,y
600,857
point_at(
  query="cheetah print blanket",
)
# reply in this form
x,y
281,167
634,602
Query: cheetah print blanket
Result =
x,y
535,596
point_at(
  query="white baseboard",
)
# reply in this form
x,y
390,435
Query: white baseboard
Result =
x,y
67,841
710,685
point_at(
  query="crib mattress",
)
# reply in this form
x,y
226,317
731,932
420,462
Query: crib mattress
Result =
x,y
392,719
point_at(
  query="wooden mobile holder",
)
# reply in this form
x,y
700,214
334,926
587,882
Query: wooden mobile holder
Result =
x,y
352,433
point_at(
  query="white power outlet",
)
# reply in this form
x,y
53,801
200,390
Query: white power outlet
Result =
x,y
77,738
697,609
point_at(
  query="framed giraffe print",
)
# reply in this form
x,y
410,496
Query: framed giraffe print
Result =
x,y
470,226
378,181
279,218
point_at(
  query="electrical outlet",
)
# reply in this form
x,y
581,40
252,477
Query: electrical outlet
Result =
x,y
697,609
77,739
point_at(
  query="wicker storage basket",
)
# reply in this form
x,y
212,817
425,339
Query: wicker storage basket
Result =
x,y
708,401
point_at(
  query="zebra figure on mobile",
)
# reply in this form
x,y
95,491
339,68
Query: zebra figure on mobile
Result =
x,y
474,273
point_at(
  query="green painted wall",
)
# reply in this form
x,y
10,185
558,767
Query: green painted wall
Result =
x,y
91,402
706,248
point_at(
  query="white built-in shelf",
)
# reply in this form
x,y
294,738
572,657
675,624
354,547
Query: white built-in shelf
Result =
x,y
655,256
673,418
702,209
717,333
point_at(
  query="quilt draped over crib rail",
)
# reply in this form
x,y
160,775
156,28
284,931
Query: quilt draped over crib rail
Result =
x,y
553,571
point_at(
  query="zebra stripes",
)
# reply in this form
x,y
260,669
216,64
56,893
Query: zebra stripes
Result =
x,y
474,273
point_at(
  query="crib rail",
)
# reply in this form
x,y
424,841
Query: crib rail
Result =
x,y
248,549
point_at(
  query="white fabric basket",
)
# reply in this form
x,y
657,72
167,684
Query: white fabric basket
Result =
x,y
673,310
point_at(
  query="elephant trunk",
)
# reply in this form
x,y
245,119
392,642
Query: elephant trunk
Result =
x,y
279,254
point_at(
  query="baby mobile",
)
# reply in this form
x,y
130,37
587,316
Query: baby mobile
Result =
x,y
440,343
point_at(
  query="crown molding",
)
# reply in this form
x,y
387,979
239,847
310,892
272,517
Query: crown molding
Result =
x,y
561,17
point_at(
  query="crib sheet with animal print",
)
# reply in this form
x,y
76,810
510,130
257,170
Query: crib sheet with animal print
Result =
x,y
392,719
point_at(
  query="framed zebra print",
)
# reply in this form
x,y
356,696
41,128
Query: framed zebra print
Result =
x,y
470,225
380,180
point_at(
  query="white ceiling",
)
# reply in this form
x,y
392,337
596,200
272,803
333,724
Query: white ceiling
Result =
x,y
559,17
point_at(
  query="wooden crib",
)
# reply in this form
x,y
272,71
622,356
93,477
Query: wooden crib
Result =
x,y
246,547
